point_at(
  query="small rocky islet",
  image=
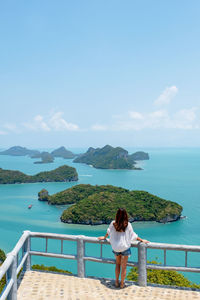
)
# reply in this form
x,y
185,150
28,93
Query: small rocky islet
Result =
x,y
96,205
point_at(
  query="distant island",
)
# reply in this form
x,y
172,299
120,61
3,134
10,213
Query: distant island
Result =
x,y
95,205
61,174
111,158
46,158
19,151
63,152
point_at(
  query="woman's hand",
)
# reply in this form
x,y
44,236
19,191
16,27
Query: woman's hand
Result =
x,y
142,241
145,241
101,238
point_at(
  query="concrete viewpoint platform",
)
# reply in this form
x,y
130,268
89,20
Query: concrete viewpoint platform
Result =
x,y
36,285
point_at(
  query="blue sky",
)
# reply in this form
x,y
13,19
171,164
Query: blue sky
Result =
x,y
89,73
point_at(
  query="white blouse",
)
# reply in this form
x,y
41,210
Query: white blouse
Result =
x,y
121,241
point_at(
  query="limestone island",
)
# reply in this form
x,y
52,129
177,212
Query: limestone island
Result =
x,y
46,158
63,152
96,205
60,174
111,158
19,151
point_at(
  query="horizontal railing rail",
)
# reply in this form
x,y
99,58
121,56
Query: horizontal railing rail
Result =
x,y
12,265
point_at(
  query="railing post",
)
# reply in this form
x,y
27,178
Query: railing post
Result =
x,y
27,248
80,256
142,262
12,274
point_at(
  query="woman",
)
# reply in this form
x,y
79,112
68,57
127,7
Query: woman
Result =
x,y
121,235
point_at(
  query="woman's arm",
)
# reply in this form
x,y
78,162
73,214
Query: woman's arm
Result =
x,y
101,238
141,240
107,233
134,236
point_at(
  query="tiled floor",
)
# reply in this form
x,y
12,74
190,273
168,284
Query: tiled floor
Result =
x,y
42,286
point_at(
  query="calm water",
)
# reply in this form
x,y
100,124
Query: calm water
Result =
x,y
173,174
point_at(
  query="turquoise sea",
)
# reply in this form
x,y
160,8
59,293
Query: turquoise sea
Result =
x,y
173,174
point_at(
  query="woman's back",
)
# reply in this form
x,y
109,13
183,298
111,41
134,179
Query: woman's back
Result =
x,y
121,240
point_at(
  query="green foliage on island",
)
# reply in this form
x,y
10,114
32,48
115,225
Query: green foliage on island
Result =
x,y
72,195
19,151
43,195
63,152
2,255
98,205
139,155
46,158
110,158
60,174
3,280
163,277
49,269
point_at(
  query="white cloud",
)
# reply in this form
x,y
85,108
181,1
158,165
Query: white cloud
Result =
x,y
11,127
167,95
139,121
59,124
56,123
98,127
185,119
2,132
38,123
187,114
158,114
182,119
136,115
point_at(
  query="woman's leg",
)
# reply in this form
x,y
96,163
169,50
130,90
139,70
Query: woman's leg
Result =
x,y
117,269
124,260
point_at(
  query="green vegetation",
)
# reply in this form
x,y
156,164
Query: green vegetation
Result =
x,y
2,255
98,205
3,280
73,195
43,195
140,155
63,173
163,277
19,151
46,158
50,269
2,283
34,267
110,158
63,152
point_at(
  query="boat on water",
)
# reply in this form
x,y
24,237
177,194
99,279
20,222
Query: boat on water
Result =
x,y
30,206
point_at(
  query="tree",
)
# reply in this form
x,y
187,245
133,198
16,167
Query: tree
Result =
x,y
163,277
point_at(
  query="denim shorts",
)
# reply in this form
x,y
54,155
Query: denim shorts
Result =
x,y
126,252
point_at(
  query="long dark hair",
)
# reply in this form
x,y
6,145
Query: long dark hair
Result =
x,y
121,220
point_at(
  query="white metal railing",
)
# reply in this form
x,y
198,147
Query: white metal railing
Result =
x,y
12,265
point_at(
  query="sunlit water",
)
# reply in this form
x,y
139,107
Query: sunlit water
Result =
x,y
173,174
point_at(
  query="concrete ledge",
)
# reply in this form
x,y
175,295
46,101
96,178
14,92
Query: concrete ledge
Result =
x,y
36,285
